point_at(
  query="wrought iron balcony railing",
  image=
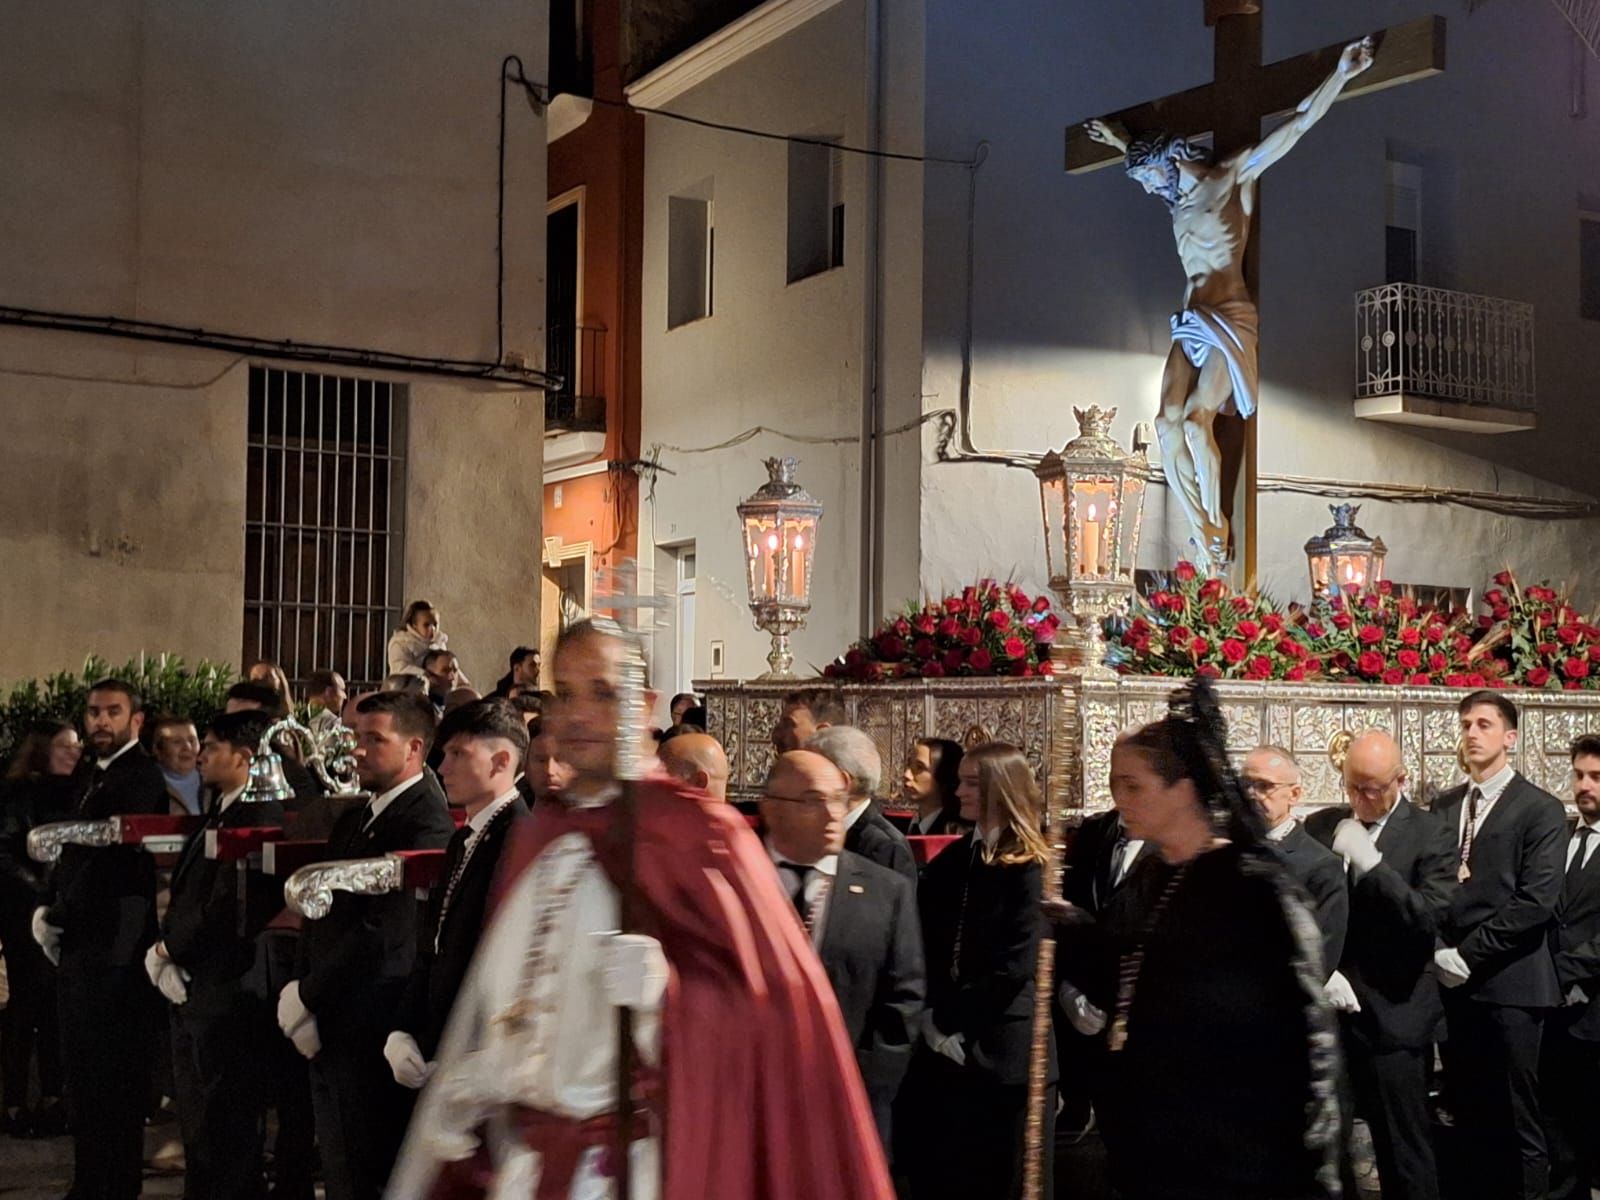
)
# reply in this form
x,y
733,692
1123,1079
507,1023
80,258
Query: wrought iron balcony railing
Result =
x,y
1430,342
578,356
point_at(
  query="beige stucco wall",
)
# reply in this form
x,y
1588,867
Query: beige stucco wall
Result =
x,y
320,173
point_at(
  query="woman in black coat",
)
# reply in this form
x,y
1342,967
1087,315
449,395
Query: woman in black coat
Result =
x,y
38,788
928,784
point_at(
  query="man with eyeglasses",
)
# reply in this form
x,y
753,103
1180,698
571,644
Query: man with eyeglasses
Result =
x,y
1272,779
1401,865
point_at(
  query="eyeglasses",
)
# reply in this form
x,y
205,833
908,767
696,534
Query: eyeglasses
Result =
x,y
811,800
1262,787
1373,791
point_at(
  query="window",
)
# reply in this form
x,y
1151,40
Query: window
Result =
x,y
691,254
816,209
683,614
1589,266
324,501
1402,222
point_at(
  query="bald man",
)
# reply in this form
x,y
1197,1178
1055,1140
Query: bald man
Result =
x,y
1271,777
698,760
1401,863
862,918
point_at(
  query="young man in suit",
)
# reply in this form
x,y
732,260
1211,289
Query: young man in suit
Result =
x,y
1569,1064
867,831
1271,777
1401,863
97,928
484,745
222,1032
1493,958
356,961
862,918
804,714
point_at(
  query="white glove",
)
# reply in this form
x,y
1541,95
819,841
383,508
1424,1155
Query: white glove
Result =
x,y
47,935
1576,995
296,1021
634,970
1081,1015
1451,968
461,1103
406,1064
306,1039
171,980
950,1045
1338,993
1354,844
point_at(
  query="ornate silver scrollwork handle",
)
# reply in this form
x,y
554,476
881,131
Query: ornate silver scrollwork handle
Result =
x,y
45,841
309,891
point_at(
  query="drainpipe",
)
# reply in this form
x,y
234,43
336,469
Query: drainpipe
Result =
x,y
872,482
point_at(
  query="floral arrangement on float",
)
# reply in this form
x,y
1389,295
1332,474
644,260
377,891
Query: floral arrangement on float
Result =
x,y
1194,625
987,629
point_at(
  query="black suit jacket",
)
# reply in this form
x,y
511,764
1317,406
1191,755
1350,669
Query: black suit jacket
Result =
x,y
871,947
203,932
1321,872
1575,943
355,962
875,838
993,910
106,896
436,977
1395,912
1499,919
1087,881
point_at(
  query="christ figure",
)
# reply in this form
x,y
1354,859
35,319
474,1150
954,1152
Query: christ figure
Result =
x,y
1212,366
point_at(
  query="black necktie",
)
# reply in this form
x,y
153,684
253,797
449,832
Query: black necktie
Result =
x,y
802,873
1575,867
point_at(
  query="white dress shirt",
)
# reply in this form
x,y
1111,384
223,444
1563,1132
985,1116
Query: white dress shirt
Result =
x,y
819,882
1591,841
383,800
925,825
231,797
1281,830
856,813
1491,788
103,763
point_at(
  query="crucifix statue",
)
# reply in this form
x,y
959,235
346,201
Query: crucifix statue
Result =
x,y
1212,370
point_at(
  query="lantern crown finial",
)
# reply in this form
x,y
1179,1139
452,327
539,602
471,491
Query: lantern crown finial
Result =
x,y
1344,515
1095,421
780,484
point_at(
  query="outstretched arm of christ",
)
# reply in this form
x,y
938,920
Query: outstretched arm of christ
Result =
x,y
1357,57
1103,133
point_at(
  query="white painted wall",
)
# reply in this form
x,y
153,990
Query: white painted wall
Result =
x,y
315,172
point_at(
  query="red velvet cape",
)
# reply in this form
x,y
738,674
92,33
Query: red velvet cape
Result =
x,y
762,1098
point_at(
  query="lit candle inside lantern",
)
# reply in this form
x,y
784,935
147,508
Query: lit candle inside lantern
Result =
x,y
1089,543
797,565
770,562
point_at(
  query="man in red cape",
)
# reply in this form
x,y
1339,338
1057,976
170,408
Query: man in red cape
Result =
x,y
748,1088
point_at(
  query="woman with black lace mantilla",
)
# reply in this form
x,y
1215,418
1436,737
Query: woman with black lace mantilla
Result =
x,y
1221,1054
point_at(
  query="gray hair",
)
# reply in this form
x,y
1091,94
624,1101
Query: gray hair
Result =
x,y
854,753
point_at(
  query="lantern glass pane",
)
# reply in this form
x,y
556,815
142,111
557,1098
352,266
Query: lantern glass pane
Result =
x,y
1129,514
1053,495
761,548
1093,526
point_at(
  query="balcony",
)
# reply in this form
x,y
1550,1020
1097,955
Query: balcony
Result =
x,y
578,356
1443,359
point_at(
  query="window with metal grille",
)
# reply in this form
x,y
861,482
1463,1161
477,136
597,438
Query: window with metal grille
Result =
x,y
324,522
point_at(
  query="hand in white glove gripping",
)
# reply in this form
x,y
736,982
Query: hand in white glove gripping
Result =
x,y
1576,995
297,1022
1338,992
406,1064
634,971
1081,1015
1451,968
171,980
1354,844
951,1045
47,935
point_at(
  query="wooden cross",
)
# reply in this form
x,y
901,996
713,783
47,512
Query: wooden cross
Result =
x,y
1243,93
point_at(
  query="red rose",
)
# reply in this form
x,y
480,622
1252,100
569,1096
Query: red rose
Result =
x,y
1000,619
1241,604
1437,661
1568,635
954,605
1211,589
1542,594
1370,663
1019,601
1234,651
1494,596
1393,676
1435,632
1421,679
1249,629
1341,661
1313,666
1174,603
1475,680
981,660
1209,671
889,647
1409,659
971,635
1296,673
1272,623
902,627
949,627
1015,647
1044,633
1369,635
926,624
1411,635
953,661
1179,637
1455,681
932,670
1315,629
1290,648
1211,614
833,671
1385,588
1047,667
924,648
1199,648
854,657
1407,607
1538,677
1548,649
1501,612
1260,668
1575,668
1371,603
1342,620
1503,578
1572,685
1594,653
1184,571
872,671
1462,643
1041,603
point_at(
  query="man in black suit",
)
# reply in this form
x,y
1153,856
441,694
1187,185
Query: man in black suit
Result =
x,y
1569,1063
1402,871
222,1032
867,831
804,714
355,962
484,745
1271,777
1494,958
102,919
862,918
